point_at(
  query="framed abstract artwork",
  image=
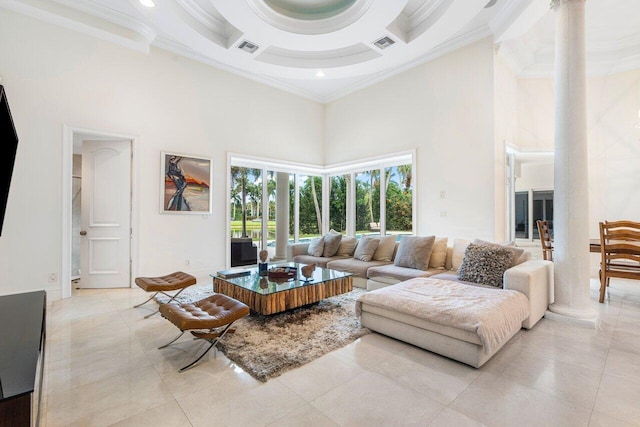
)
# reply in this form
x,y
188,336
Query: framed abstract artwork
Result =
x,y
186,184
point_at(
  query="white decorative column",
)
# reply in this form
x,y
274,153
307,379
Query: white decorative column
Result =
x,y
282,215
571,189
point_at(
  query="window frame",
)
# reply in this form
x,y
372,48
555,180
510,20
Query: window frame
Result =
x,y
379,163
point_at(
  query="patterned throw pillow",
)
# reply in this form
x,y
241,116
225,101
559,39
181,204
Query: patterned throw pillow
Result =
x,y
331,244
366,248
414,252
517,252
316,247
485,264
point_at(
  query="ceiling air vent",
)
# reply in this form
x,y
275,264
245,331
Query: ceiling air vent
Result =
x,y
248,46
384,42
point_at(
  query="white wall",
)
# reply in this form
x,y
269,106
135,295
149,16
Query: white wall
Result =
x,y
535,176
614,148
54,76
614,141
535,115
506,128
445,110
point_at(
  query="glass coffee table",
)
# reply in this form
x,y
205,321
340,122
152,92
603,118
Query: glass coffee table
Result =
x,y
266,295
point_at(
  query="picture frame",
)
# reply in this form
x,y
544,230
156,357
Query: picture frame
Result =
x,y
186,183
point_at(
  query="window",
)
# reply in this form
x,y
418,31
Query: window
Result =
x,y
246,196
310,212
522,214
368,202
274,204
542,209
338,200
399,199
527,214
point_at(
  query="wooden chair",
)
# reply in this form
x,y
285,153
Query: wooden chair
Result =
x,y
620,252
545,239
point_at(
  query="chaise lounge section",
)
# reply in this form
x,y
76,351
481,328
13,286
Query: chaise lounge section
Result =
x,y
465,323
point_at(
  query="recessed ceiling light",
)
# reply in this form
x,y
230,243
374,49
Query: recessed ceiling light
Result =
x,y
147,3
320,74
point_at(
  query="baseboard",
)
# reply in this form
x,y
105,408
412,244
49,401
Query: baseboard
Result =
x,y
53,294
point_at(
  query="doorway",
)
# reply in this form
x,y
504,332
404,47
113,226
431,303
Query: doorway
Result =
x,y
99,210
542,210
529,177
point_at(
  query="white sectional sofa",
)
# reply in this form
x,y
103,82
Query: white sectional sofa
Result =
x,y
384,312
533,278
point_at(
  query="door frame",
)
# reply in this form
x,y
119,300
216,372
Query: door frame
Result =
x,y
69,132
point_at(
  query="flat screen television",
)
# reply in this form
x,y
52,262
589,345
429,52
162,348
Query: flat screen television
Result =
x,y
9,142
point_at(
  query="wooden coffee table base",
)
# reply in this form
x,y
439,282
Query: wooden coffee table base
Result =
x,y
287,299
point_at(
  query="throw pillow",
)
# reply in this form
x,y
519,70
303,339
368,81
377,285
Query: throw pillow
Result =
x,y
485,264
366,248
331,244
316,247
517,252
385,249
414,252
347,245
439,254
459,246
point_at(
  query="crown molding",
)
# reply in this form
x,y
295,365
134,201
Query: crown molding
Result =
x,y
182,50
111,15
631,42
454,43
594,68
63,13
602,59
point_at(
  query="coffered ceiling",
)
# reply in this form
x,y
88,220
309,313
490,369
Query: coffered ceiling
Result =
x,y
324,49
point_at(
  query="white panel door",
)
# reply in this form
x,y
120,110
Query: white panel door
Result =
x,y
106,214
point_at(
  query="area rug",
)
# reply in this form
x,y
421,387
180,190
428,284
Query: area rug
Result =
x,y
267,346
192,293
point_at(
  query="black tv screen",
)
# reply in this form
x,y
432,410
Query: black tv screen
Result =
x,y
9,142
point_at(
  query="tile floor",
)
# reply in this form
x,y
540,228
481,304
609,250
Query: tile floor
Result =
x,y
103,368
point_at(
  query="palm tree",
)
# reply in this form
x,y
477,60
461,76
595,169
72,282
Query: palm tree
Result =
x,y
388,175
374,176
235,200
239,177
405,176
271,191
316,204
